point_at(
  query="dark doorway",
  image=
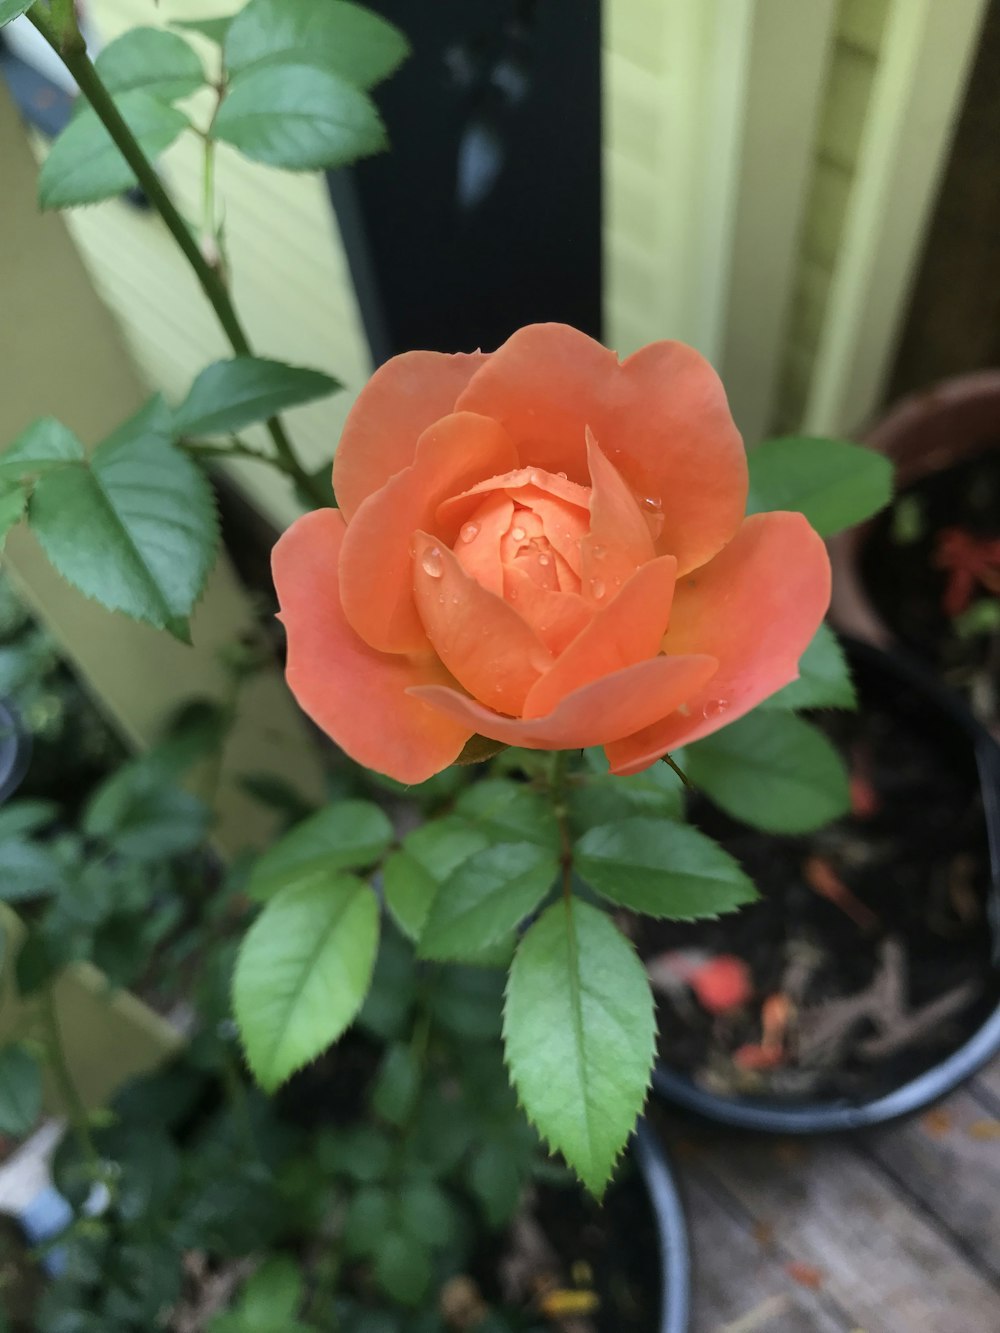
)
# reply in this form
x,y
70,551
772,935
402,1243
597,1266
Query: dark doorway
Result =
x,y
486,213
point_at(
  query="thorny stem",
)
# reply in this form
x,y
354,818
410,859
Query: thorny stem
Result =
x,y
69,46
557,792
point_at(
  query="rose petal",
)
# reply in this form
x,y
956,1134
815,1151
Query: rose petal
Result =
x,y
755,607
376,583
618,541
594,715
457,509
358,696
661,418
479,554
403,397
481,640
629,629
556,617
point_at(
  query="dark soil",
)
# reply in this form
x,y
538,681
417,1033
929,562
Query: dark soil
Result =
x,y
880,984
908,588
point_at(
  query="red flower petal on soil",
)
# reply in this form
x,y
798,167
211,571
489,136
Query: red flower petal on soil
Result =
x,y
753,1056
823,879
806,1275
722,983
968,560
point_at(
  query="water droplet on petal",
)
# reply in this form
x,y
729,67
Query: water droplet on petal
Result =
x,y
454,601
652,502
597,588
564,475
598,552
618,583
470,532
432,563
715,707
544,560
518,534
512,595
535,479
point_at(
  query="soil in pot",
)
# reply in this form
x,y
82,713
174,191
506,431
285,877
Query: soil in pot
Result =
x,y
931,566
867,958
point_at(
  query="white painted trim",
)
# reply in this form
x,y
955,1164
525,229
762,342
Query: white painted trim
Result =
x,y
919,84
789,54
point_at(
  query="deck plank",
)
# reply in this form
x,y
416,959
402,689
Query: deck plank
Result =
x,y
874,1253
738,1282
949,1162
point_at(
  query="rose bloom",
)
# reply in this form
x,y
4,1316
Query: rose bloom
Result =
x,y
547,547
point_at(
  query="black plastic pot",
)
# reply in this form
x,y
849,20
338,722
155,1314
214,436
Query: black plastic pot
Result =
x,y
15,751
671,1229
816,1117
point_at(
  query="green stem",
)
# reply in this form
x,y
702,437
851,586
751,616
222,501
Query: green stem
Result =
x,y
72,50
557,792
235,449
69,1095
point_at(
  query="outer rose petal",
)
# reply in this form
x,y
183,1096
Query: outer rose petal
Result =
x,y
358,696
376,584
481,640
618,541
627,630
661,417
594,715
755,607
403,397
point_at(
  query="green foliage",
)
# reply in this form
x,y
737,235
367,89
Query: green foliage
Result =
x,y
84,165
772,770
824,677
510,812
397,1085
579,1035
144,817
486,898
20,1090
13,503
344,39
834,483
303,971
159,62
661,868
134,526
430,855
229,395
347,835
27,870
214,29
12,9
268,1302
46,443
596,797
299,117
403,1267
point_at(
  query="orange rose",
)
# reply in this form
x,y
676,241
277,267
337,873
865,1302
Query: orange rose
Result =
x,y
546,547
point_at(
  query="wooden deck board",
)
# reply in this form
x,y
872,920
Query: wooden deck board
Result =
x,y
899,1228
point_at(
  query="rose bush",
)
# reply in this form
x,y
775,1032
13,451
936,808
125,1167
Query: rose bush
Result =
x,y
547,547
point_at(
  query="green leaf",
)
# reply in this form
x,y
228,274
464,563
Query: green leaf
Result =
x,y
84,165
214,29
27,870
579,1033
302,973
487,897
150,58
12,506
368,1219
20,817
12,9
427,1214
344,39
229,395
772,770
824,677
661,868
602,798
510,812
412,877
403,1268
272,1295
397,1085
345,836
494,1183
300,118
144,817
834,483
45,444
20,1090
135,526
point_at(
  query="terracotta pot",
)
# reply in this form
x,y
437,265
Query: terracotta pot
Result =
x,y
923,434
